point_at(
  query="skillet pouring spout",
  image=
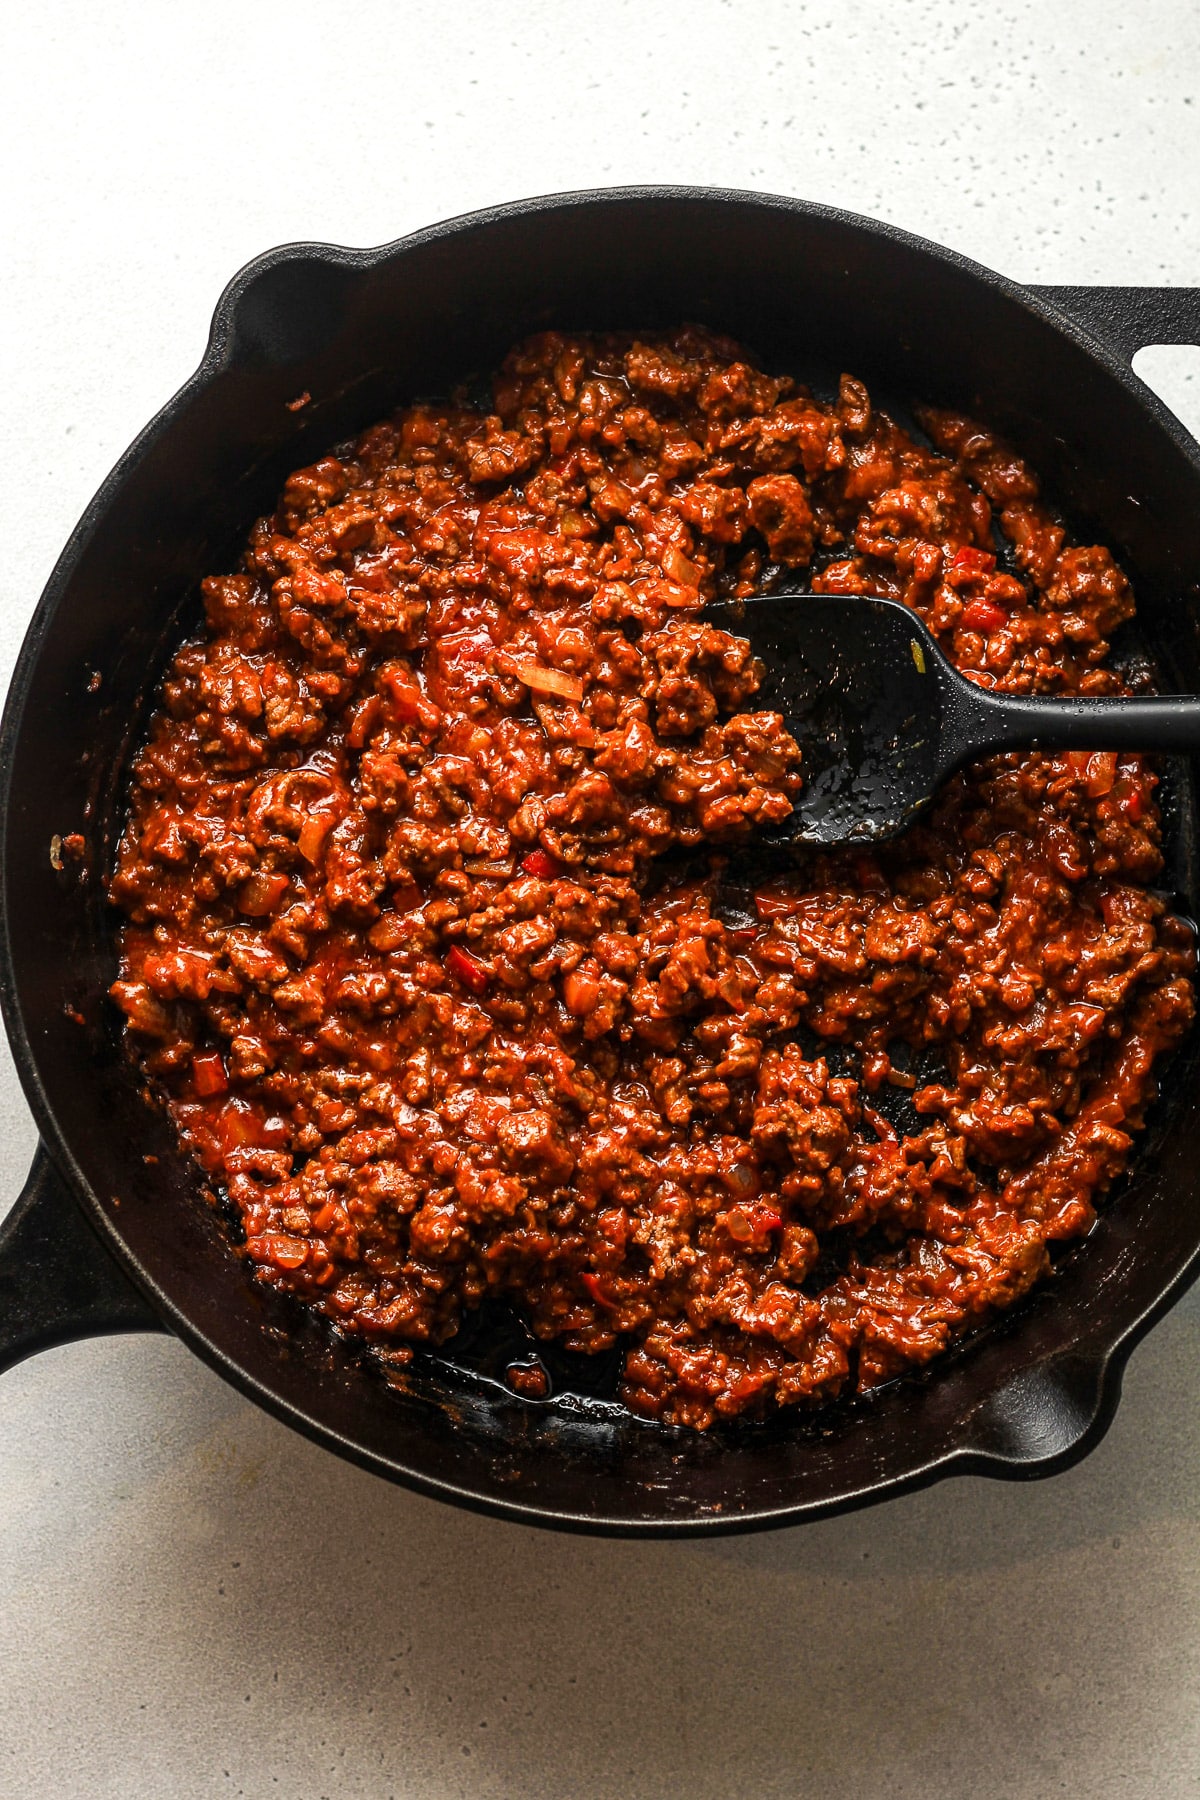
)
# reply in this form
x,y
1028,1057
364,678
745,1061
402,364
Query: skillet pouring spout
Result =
x,y
883,719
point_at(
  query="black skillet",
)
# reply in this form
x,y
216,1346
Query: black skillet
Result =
x,y
110,1233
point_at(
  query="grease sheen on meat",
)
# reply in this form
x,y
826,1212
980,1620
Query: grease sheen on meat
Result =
x,y
433,937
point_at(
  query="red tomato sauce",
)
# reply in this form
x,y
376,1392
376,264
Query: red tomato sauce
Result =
x,y
442,940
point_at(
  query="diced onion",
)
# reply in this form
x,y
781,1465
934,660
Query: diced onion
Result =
x,y
480,865
313,832
542,680
676,565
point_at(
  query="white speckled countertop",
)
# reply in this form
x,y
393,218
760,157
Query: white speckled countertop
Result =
x,y
195,1602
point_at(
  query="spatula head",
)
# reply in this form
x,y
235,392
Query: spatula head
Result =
x,y
864,690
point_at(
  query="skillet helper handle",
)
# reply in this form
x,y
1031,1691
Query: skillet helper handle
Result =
x,y
1169,722
57,1281
1131,318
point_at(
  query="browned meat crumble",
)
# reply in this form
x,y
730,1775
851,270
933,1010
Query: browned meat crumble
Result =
x,y
427,940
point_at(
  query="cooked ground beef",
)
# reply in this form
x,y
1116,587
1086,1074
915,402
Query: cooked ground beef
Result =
x,y
441,936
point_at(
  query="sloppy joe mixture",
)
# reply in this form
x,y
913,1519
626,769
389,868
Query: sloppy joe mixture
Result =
x,y
443,939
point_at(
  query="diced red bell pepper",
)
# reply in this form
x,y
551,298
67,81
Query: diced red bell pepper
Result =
x,y
1132,804
540,863
595,1288
980,562
982,616
208,1073
276,1247
468,969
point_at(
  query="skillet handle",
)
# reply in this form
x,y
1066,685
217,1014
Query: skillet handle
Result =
x,y
57,1281
1130,318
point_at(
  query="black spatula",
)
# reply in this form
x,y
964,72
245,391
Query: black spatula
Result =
x,y
882,718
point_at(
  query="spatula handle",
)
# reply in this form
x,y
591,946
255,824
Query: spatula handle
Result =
x,y
1009,721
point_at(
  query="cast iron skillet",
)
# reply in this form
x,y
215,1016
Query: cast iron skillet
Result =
x,y
109,1233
